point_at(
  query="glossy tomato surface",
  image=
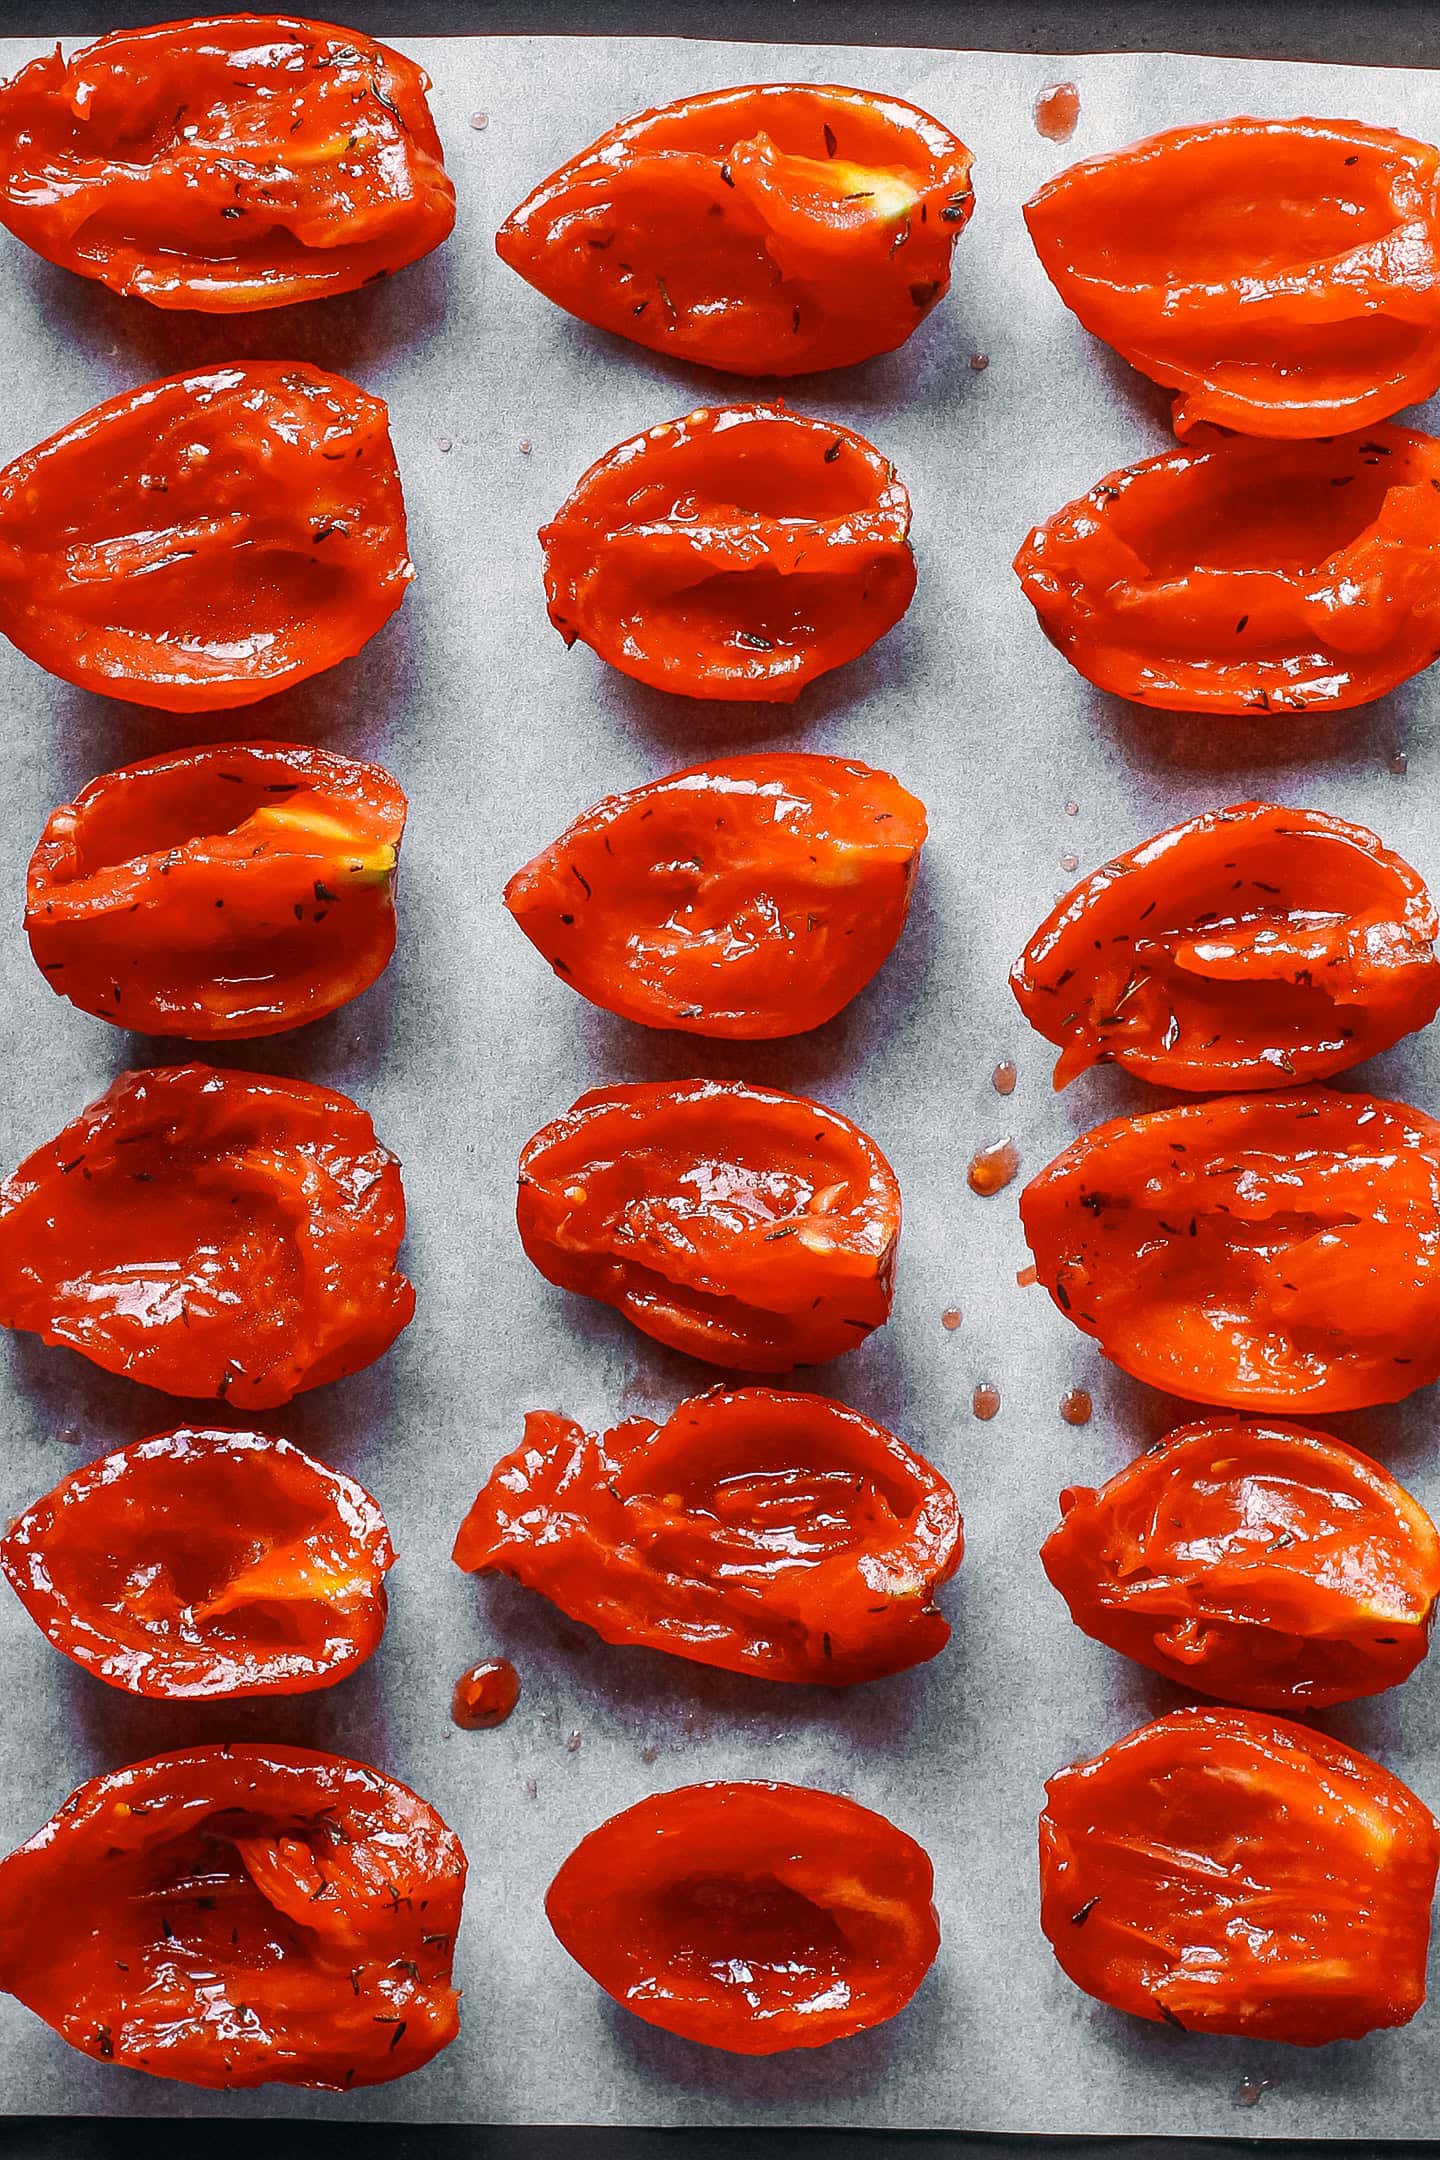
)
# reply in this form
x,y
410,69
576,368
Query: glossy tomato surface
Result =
x,y
206,540
762,1532
1264,1564
747,897
226,163
751,1917
205,1564
1265,1252
240,1915
232,889
746,1226
1282,275
1229,1872
772,229
210,1233
737,553
1235,576
1247,946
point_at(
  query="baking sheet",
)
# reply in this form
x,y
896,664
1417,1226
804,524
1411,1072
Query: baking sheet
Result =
x,y
500,736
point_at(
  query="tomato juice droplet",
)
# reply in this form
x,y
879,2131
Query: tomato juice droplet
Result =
x,y
992,1168
1057,111
1069,862
1251,2091
1005,1075
985,1402
1076,1407
1398,762
1072,809
979,361
950,1319
485,1695
479,120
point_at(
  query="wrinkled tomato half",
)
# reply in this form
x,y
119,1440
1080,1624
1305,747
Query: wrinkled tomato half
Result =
x,y
240,1915
773,229
747,897
746,1226
1229,1872
206,540
751,1917
1244,946
1283,275
1236,576
205,1564
1265,1564
737,553
233,889
767,1533
210,1233
1267,1252
229,163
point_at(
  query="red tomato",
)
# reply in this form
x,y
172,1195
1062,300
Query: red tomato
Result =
x,y
737,553
1270,1252
240,1915
1244,945
773,229
206,540
205,1563
226,164
748,1227
1248,577
766,1533
747,897
1233,1873
210,1233
1261,1563
1283,275
233,889
751,1917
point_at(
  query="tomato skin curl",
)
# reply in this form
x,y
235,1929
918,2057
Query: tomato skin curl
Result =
x,y
1245,947
1230,1872
737,553
1282,275
771,229
1263,1564
761,1532
225,163
748,1227
752,1917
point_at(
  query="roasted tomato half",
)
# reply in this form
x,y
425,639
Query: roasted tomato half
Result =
x,y
1264,1564
1268,1252
1229,1872
233,889
751,1917
206,540
205,1563
210,1233
240,1915
1283,275
748,897
737,553
774,229
766,1533
225,164
1244,946
745,1226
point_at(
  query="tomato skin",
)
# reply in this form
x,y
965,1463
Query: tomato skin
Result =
x,y
1154,964
1261,1252
226,1234
240,1915
1263,1564
162,1568
761,1532
822,1905
1282,275
280,546
772,229
225,163
200,883
1230,1872
748,897
737,553
1244,576
748,1227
